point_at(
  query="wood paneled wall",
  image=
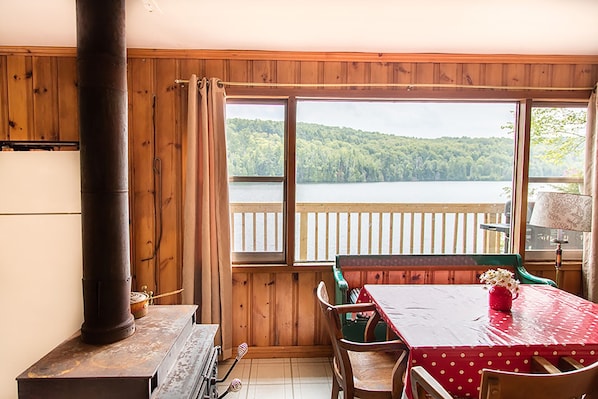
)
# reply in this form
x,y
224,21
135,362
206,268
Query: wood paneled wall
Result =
x,y
275,311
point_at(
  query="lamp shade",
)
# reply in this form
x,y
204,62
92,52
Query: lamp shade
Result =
x,y
563,211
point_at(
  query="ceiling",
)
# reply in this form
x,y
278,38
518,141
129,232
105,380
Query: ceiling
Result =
x,y
568,27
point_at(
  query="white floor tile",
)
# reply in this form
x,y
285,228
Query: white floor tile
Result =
x,y
316,373
270,371
269,391
312,390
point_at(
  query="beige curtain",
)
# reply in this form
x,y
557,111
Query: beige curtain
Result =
x,y
207,272
590,256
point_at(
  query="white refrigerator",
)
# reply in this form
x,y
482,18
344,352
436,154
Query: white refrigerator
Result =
x,y
41,298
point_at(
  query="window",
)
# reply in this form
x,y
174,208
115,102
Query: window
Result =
x,y
255,134
387,177
557,149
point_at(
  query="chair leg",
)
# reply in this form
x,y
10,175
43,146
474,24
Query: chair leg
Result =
x,y
335,388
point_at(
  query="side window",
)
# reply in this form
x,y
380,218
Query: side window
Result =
x,y
557,150
255,134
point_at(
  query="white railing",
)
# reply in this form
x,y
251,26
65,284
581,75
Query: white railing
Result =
x,y
326,229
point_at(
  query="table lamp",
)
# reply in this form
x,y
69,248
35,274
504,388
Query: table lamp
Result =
x,y
562,211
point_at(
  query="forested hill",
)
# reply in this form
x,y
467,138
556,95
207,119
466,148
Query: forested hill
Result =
x,y
328,154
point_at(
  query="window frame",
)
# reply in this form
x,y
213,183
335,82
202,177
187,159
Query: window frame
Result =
x,y
520,179
549,254
239,257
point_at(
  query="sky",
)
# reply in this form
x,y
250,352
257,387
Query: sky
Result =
x,y
413,119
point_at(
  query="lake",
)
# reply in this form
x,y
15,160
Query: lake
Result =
x,y
405,192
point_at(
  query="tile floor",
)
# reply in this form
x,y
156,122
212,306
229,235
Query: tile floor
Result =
x,y
288,378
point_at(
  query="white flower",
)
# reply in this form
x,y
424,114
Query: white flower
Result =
x,y
501,278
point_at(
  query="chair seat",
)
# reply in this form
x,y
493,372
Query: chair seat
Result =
x,y
371,370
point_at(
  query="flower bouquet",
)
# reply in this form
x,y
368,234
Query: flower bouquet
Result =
x,y
504,287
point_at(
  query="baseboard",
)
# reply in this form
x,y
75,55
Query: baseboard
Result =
x,y
265,352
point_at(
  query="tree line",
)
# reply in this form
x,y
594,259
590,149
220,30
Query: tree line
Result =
x,y
327,154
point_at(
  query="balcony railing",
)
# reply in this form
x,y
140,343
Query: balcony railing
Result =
x,y
326,229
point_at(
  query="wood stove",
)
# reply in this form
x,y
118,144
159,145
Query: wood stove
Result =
x,y
168,357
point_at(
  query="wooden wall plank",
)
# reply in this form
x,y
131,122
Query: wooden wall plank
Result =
x,y
357,72
335,72
285,326
446,74
141,180
68,102
583,75
470,75
286,72
263,71
45,96
562,75
380,72
217,69
540,75
309,72
20,98
516,75
306,308
239,71
403,73
493,75
168,186
262,309
241,307
4,128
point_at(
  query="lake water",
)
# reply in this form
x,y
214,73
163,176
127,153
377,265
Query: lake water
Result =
x,y
402,192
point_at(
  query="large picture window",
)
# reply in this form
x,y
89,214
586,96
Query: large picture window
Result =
x,y
312,178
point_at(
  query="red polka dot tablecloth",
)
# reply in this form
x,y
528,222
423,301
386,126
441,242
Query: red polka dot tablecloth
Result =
x,y
452,332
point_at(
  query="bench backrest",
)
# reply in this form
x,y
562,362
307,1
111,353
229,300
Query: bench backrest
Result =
x,y
358,270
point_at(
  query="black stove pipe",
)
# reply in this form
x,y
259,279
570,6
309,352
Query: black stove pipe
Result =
x,y
102,80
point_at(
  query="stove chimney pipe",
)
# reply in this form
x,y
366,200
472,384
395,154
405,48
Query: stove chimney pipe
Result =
x,y
102,77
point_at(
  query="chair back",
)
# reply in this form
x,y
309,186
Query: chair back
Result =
x,y
342,367
582,383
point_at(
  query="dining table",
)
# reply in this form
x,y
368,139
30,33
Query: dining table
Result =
x,y
452,332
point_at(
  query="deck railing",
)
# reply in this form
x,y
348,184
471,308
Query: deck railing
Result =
x,y
326,229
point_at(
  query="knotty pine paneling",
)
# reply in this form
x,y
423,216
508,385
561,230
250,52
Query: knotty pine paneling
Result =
x,y
286,71
168,186
21,109
68,112
278,308
45,101
142,182
274,308
380,72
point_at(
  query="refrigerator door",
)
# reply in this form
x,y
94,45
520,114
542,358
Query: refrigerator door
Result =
x,y
41,263
40,182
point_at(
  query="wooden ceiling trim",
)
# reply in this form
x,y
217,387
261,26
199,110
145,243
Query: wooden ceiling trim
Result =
x,y
320,56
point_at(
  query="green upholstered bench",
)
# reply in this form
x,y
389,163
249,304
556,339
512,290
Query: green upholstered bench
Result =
x,y
351,272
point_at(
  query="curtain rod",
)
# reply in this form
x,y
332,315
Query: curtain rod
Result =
x,y
407,86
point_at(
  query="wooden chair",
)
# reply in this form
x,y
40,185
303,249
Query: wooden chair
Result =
x,y
579,383
368,370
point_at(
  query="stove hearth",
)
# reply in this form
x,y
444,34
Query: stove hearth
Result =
x,y
169,356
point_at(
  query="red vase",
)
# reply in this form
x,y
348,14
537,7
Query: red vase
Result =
x,y
500,298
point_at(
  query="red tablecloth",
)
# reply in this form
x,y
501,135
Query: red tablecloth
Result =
x,y
452,332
